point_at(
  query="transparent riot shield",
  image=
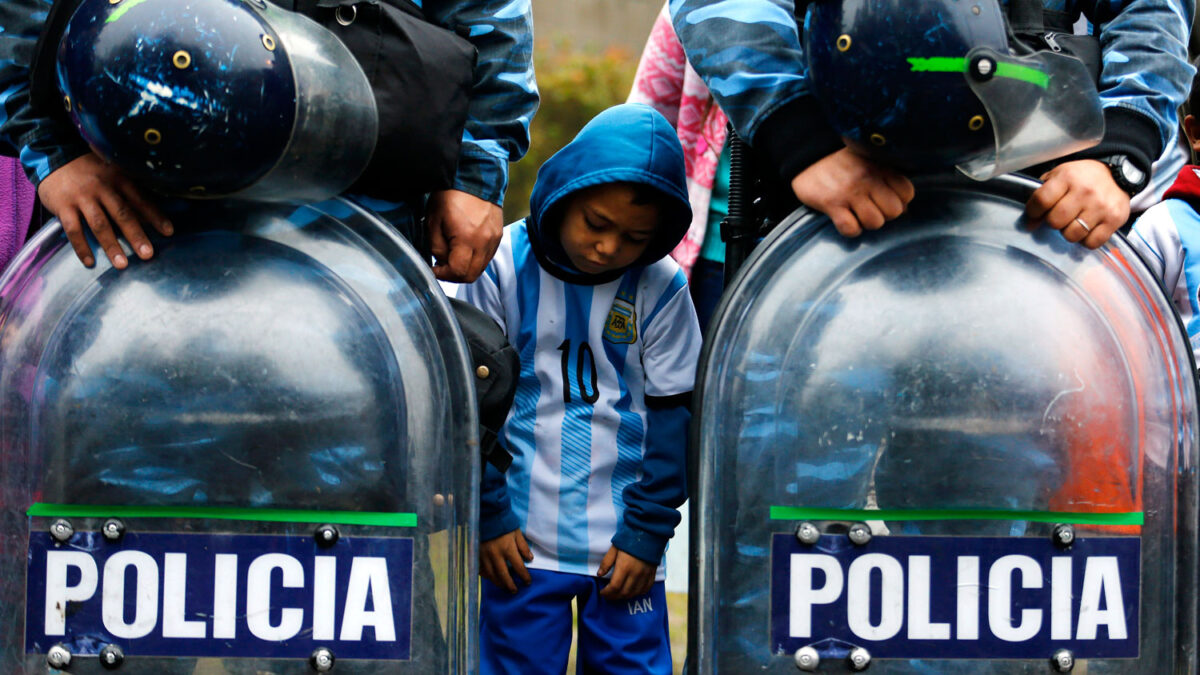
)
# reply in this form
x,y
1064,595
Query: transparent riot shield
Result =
x,y
255,453
951,446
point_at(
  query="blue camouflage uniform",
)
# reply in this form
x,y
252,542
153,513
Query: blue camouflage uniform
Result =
x,y
503,99
750,54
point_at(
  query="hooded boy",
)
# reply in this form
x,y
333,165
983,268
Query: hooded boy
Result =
x,y
609,340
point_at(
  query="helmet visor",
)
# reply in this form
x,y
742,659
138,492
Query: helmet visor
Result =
x,y
1041,107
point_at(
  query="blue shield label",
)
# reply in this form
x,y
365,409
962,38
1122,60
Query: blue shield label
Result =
x,y
220,595
957,597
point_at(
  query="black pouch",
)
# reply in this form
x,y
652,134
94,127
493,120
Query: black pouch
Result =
x,y
1037,29
421,74
497,366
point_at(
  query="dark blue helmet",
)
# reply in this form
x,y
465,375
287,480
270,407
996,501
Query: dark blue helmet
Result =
x,y
210,98
933,84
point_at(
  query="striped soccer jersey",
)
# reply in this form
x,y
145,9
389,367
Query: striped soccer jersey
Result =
x,y
590,357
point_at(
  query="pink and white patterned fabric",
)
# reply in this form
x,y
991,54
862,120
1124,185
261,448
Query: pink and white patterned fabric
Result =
x,y
666,82
16,208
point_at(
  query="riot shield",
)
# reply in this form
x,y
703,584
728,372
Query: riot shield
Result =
x,y
256,453
951,446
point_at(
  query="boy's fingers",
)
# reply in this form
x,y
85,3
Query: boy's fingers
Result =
x,y
523,547
606,562
616,585
503,578
518,566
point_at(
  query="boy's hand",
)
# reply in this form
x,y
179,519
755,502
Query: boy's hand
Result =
x,y
1083,190
464,232
90,191
631,576
855,192
495,555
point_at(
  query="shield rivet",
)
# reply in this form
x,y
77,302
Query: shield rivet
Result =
x,y
807,659
1064,535
326,535
860,533
113,529
111,657
322,660
983,68
858,659
807,533
1063,660
58,657
62,531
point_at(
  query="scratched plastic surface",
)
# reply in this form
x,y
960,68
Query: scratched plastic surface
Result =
x,y
956,362
288,358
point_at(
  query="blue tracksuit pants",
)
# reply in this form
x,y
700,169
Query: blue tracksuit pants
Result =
x,y
529,632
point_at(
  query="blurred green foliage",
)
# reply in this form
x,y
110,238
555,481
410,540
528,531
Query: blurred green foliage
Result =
x,y
575,83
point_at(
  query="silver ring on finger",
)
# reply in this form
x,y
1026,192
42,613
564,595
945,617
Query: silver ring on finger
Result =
x,y
1083,224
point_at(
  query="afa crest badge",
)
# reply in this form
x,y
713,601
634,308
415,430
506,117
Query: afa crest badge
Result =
x,y
621,327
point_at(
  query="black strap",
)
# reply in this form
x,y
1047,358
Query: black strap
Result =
x,y
43,86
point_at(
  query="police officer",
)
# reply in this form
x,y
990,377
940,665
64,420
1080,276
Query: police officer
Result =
x,y
752,57
464,220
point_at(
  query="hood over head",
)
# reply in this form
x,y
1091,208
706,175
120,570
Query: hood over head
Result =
x,y
627,143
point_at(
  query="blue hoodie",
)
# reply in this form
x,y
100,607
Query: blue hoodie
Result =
x,y
598,426
628,143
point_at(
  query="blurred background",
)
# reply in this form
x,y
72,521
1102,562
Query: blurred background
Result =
x,y
585,55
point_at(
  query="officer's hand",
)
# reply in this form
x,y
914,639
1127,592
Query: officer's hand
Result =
x,y
855,192
631,576
495,555
1083,190
90,191
465,232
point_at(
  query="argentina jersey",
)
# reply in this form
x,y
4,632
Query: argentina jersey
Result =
x,y
590,357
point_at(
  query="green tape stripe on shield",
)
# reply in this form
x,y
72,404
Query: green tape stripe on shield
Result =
x,y
802,513
958,64
225,513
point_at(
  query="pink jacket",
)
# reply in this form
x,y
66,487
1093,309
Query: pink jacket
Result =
x,y
16,207
666,81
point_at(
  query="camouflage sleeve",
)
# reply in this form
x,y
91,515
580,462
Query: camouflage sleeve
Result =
x,y
504,97
42,144
750,55
1146,75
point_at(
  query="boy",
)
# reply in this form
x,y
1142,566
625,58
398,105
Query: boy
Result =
x,y
1168,234
609,341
